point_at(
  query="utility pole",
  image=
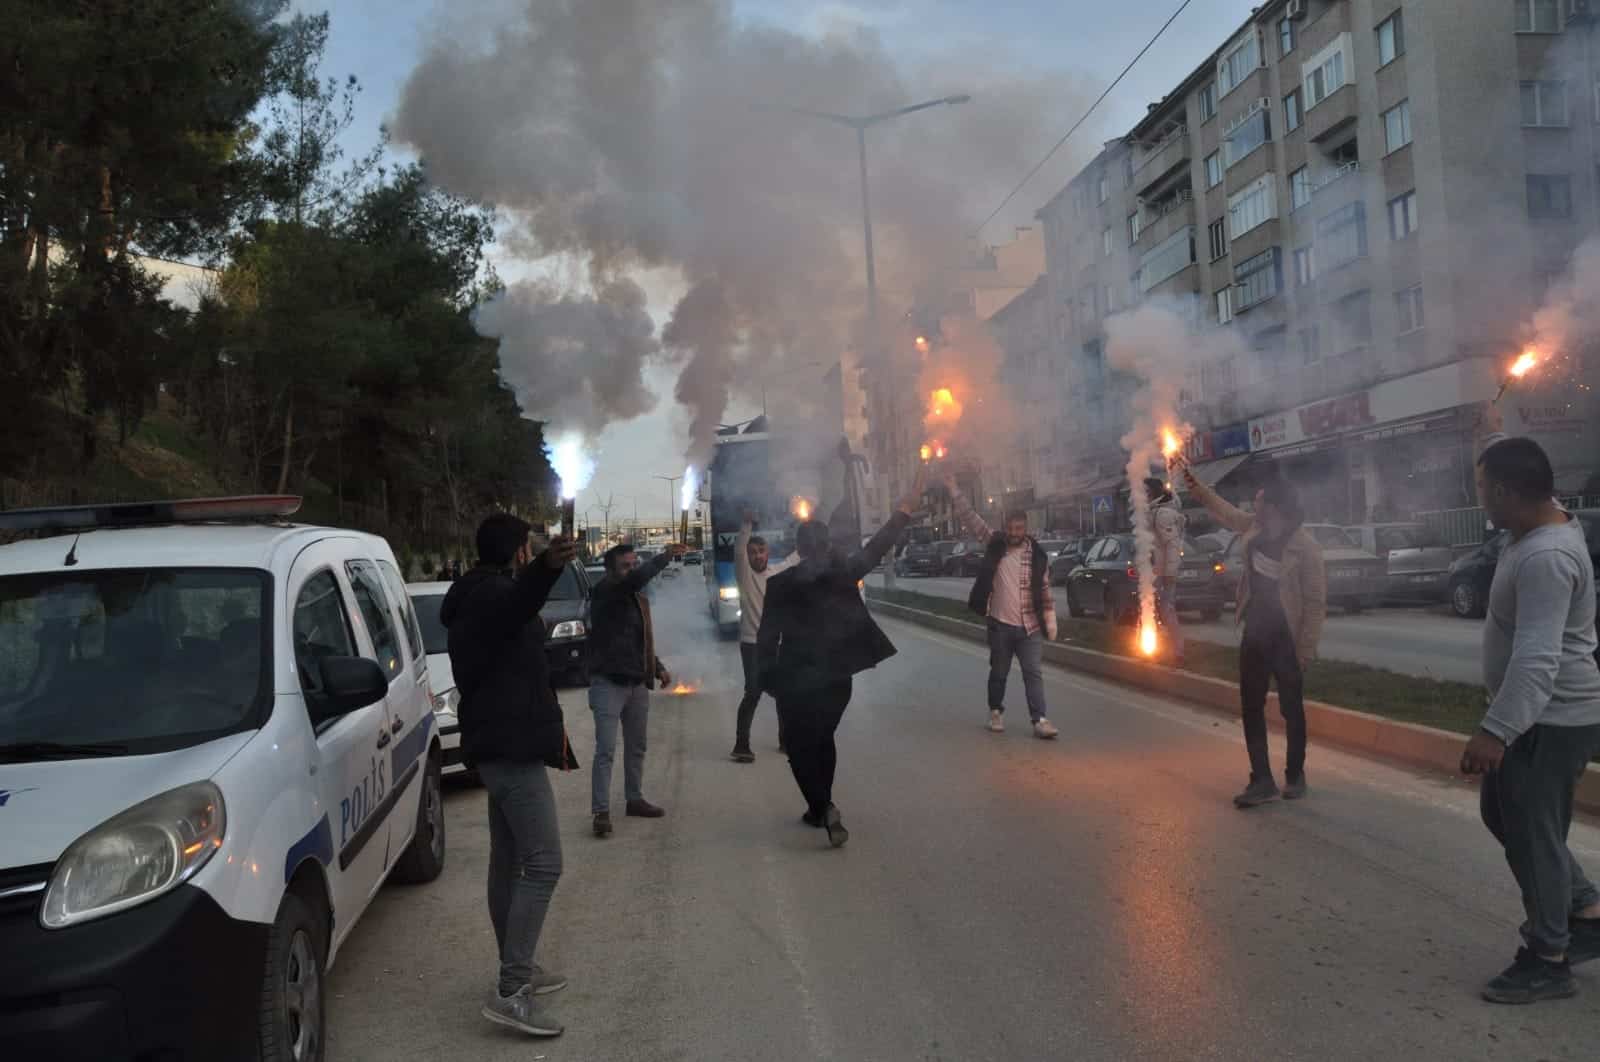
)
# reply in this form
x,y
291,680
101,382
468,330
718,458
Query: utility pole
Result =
x,y
672,499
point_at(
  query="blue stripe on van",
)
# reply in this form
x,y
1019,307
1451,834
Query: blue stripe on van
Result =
x,y
408,748
318,843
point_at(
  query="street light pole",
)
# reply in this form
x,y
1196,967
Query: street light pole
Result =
x,y
672,497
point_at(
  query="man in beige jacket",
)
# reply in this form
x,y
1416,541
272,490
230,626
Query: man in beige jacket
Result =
x,y
1283,601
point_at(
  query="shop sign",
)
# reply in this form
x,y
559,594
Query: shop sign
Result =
x,y
1230,441
1438,389
1198,448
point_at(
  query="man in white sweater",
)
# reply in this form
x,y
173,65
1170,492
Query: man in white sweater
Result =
x,y
752,568
1543,723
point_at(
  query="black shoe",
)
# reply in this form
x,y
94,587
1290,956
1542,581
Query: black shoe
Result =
x,y
837,834
602,824
643,809
814,820
1585,942
742,756
1294,786
1531,979
1260,791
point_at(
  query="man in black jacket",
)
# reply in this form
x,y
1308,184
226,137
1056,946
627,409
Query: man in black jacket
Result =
x,y
625,668
816,635
511,730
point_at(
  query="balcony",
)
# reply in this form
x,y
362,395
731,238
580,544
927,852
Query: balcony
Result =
x,y
1175,213
1333,115
1185,281
1169,157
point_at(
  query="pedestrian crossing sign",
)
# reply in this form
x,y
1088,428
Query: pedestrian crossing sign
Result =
x,y
1102,504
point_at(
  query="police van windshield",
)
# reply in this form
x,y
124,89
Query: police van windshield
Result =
x,y
130,661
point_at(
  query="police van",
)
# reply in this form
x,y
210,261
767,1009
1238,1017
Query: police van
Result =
x,y
217,741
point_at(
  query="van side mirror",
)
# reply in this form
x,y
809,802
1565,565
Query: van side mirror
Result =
x,y
349,683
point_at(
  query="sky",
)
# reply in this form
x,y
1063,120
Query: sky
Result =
x,y
380,41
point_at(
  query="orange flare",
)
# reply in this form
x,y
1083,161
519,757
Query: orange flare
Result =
x,y
801,508
1526,361
942,405
927,452
683,688
1170,443
1147,641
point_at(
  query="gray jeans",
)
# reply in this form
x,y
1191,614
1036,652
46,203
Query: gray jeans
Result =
x,y
524,862
1527,805
1006,641
613,703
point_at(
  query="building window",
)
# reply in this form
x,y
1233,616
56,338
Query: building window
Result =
x,y
1253,206
1105,188
1342,235
1549,196
1105,240
1403,215
1391,39
1397,126
1408,309
1325,74
1299,188
1352,316
1238,63
1167,259
1224,306
1285,36
1217,237
1246,134
1303,274
1135,226
1537,16
1213,169
1544,103
1208,101
1310,347
1257,279
1291,112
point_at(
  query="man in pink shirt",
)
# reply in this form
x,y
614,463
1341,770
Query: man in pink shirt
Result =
x,y
1012,593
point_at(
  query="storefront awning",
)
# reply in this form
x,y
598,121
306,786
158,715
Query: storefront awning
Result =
x,y
1213,472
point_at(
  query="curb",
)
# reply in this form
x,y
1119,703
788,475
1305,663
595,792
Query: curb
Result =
x,y
1408,744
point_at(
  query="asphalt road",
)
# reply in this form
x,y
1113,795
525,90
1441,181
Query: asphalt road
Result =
x,y
1428,642
1095,898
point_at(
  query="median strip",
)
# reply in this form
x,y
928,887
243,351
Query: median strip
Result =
x,y
1403,719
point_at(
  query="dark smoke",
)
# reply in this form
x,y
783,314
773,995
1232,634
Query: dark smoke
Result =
x,y
621,133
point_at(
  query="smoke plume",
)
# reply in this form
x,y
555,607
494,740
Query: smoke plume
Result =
x,y
644,134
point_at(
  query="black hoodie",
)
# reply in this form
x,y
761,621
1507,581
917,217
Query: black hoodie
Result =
x,y
508,705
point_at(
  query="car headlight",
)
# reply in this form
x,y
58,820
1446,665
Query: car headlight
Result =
x,y
448,701
568,629
728,593
146,851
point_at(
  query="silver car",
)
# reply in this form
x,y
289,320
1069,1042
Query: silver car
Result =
x,y
1416,559
1356,578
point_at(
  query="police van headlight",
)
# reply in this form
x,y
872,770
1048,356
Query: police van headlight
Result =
x,y
729,593
568,629
146,851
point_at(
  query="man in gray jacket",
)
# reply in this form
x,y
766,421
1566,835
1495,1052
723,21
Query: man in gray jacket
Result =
x,y
1543,723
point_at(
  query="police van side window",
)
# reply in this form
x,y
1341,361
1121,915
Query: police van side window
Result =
x,y
374,605
408,614
321,629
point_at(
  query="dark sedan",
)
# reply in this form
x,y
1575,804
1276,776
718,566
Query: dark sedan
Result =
x,y
1107,583
566,624
965,559
924,558
1066,558
1471,573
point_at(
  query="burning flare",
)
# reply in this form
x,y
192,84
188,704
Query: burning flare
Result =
x,y
1519,368
801,508
682,689
933,451
1171,445
926,452
572,465
690,488
942,406
1147,640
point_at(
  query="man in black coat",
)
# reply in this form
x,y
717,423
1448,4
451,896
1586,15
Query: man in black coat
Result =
x,y
511,730
816,635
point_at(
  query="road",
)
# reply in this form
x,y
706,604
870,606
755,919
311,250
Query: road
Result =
x,y
1095,898
1428,642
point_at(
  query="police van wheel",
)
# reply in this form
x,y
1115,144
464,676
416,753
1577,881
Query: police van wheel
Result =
x,y
292,1028
423,859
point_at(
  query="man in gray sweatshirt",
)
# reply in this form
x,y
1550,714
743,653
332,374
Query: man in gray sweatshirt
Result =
x,y
1543,723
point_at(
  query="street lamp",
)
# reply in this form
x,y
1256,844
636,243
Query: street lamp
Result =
x,y
672,497
861,125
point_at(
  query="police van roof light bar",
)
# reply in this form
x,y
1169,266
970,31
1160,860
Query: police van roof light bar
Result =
x,y
242,509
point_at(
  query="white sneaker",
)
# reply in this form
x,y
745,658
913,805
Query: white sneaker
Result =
x,y
997,722
1044,730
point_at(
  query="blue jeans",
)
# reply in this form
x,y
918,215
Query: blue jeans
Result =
x,y
614,703
524,862
1006,641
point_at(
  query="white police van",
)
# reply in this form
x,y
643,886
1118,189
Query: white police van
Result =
x,y
216,742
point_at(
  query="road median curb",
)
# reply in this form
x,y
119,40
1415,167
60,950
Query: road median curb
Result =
x,y
1409,744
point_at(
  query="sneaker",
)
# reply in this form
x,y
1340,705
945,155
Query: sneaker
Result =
x,y
837,834
814,820
742,756
519,1012
1585,942
1044,730
643,809
1530,979
543,982
1294,788
997,721
1259,791
602,824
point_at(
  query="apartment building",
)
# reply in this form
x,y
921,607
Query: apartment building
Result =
x,y
1372,197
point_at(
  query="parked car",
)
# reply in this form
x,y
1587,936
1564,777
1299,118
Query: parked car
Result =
x,y
1051,546
1416,559
216,744
1226,549
924,558
1107,583
1068,557
1356,578
595,572
965,559
694,560
1473,572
